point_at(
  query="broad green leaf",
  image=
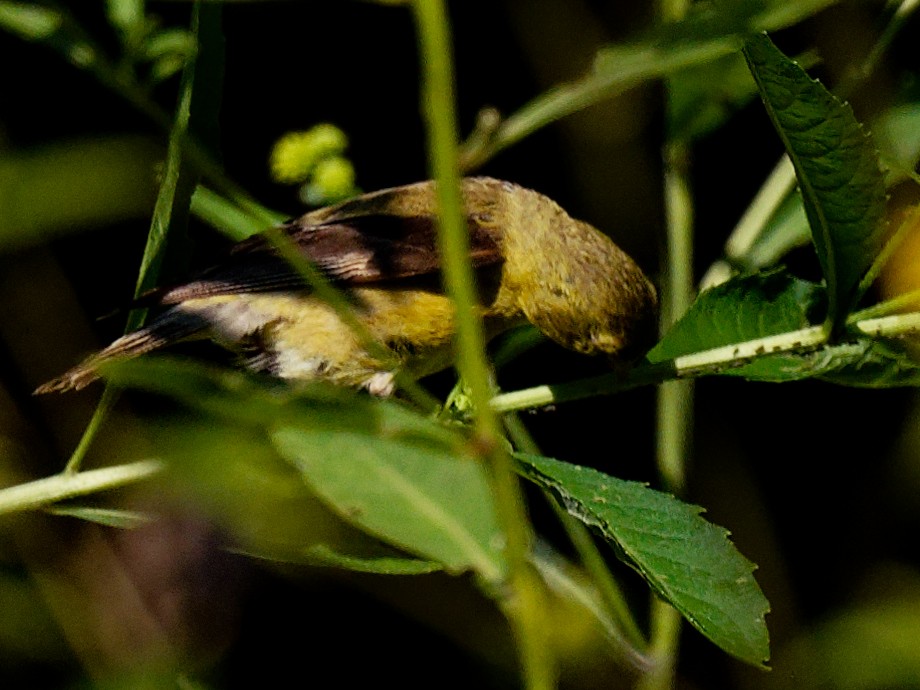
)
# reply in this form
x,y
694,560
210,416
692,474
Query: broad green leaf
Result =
x,y
750,308
688,561
404,489
837,169
233,473
380,466
746,308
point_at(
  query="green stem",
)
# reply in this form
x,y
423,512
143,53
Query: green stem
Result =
x,y
619,620
675,400
524,605
43,492
103,407
886,308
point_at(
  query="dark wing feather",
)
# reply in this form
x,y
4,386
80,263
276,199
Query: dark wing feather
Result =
x,y
384,236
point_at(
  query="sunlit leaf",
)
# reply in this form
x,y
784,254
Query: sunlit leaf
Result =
x,y
404,489
28,20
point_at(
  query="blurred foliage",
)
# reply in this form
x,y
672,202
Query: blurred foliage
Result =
x,y
133,583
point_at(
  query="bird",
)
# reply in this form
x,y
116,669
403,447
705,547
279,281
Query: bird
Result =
x,y
534,264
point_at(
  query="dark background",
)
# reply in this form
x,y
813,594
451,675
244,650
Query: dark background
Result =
x,y
816,482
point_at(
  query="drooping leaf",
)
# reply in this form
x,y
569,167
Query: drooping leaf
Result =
x,y
837,168
688,561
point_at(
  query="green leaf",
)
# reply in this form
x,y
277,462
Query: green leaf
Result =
x,y
233,221
110,517
232,472
750,308
404,488
378,465
837,169
871,363
688,561
29,21
196,116
746,308
76,183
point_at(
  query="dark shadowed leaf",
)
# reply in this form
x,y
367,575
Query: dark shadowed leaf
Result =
x,y
836,165
688,561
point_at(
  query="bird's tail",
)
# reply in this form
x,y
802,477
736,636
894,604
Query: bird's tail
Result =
x,y
168,328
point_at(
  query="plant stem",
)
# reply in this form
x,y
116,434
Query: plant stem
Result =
x,y
675,398
43,492
103,407
524,604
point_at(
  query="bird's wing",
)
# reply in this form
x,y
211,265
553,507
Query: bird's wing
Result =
x,y
385,236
